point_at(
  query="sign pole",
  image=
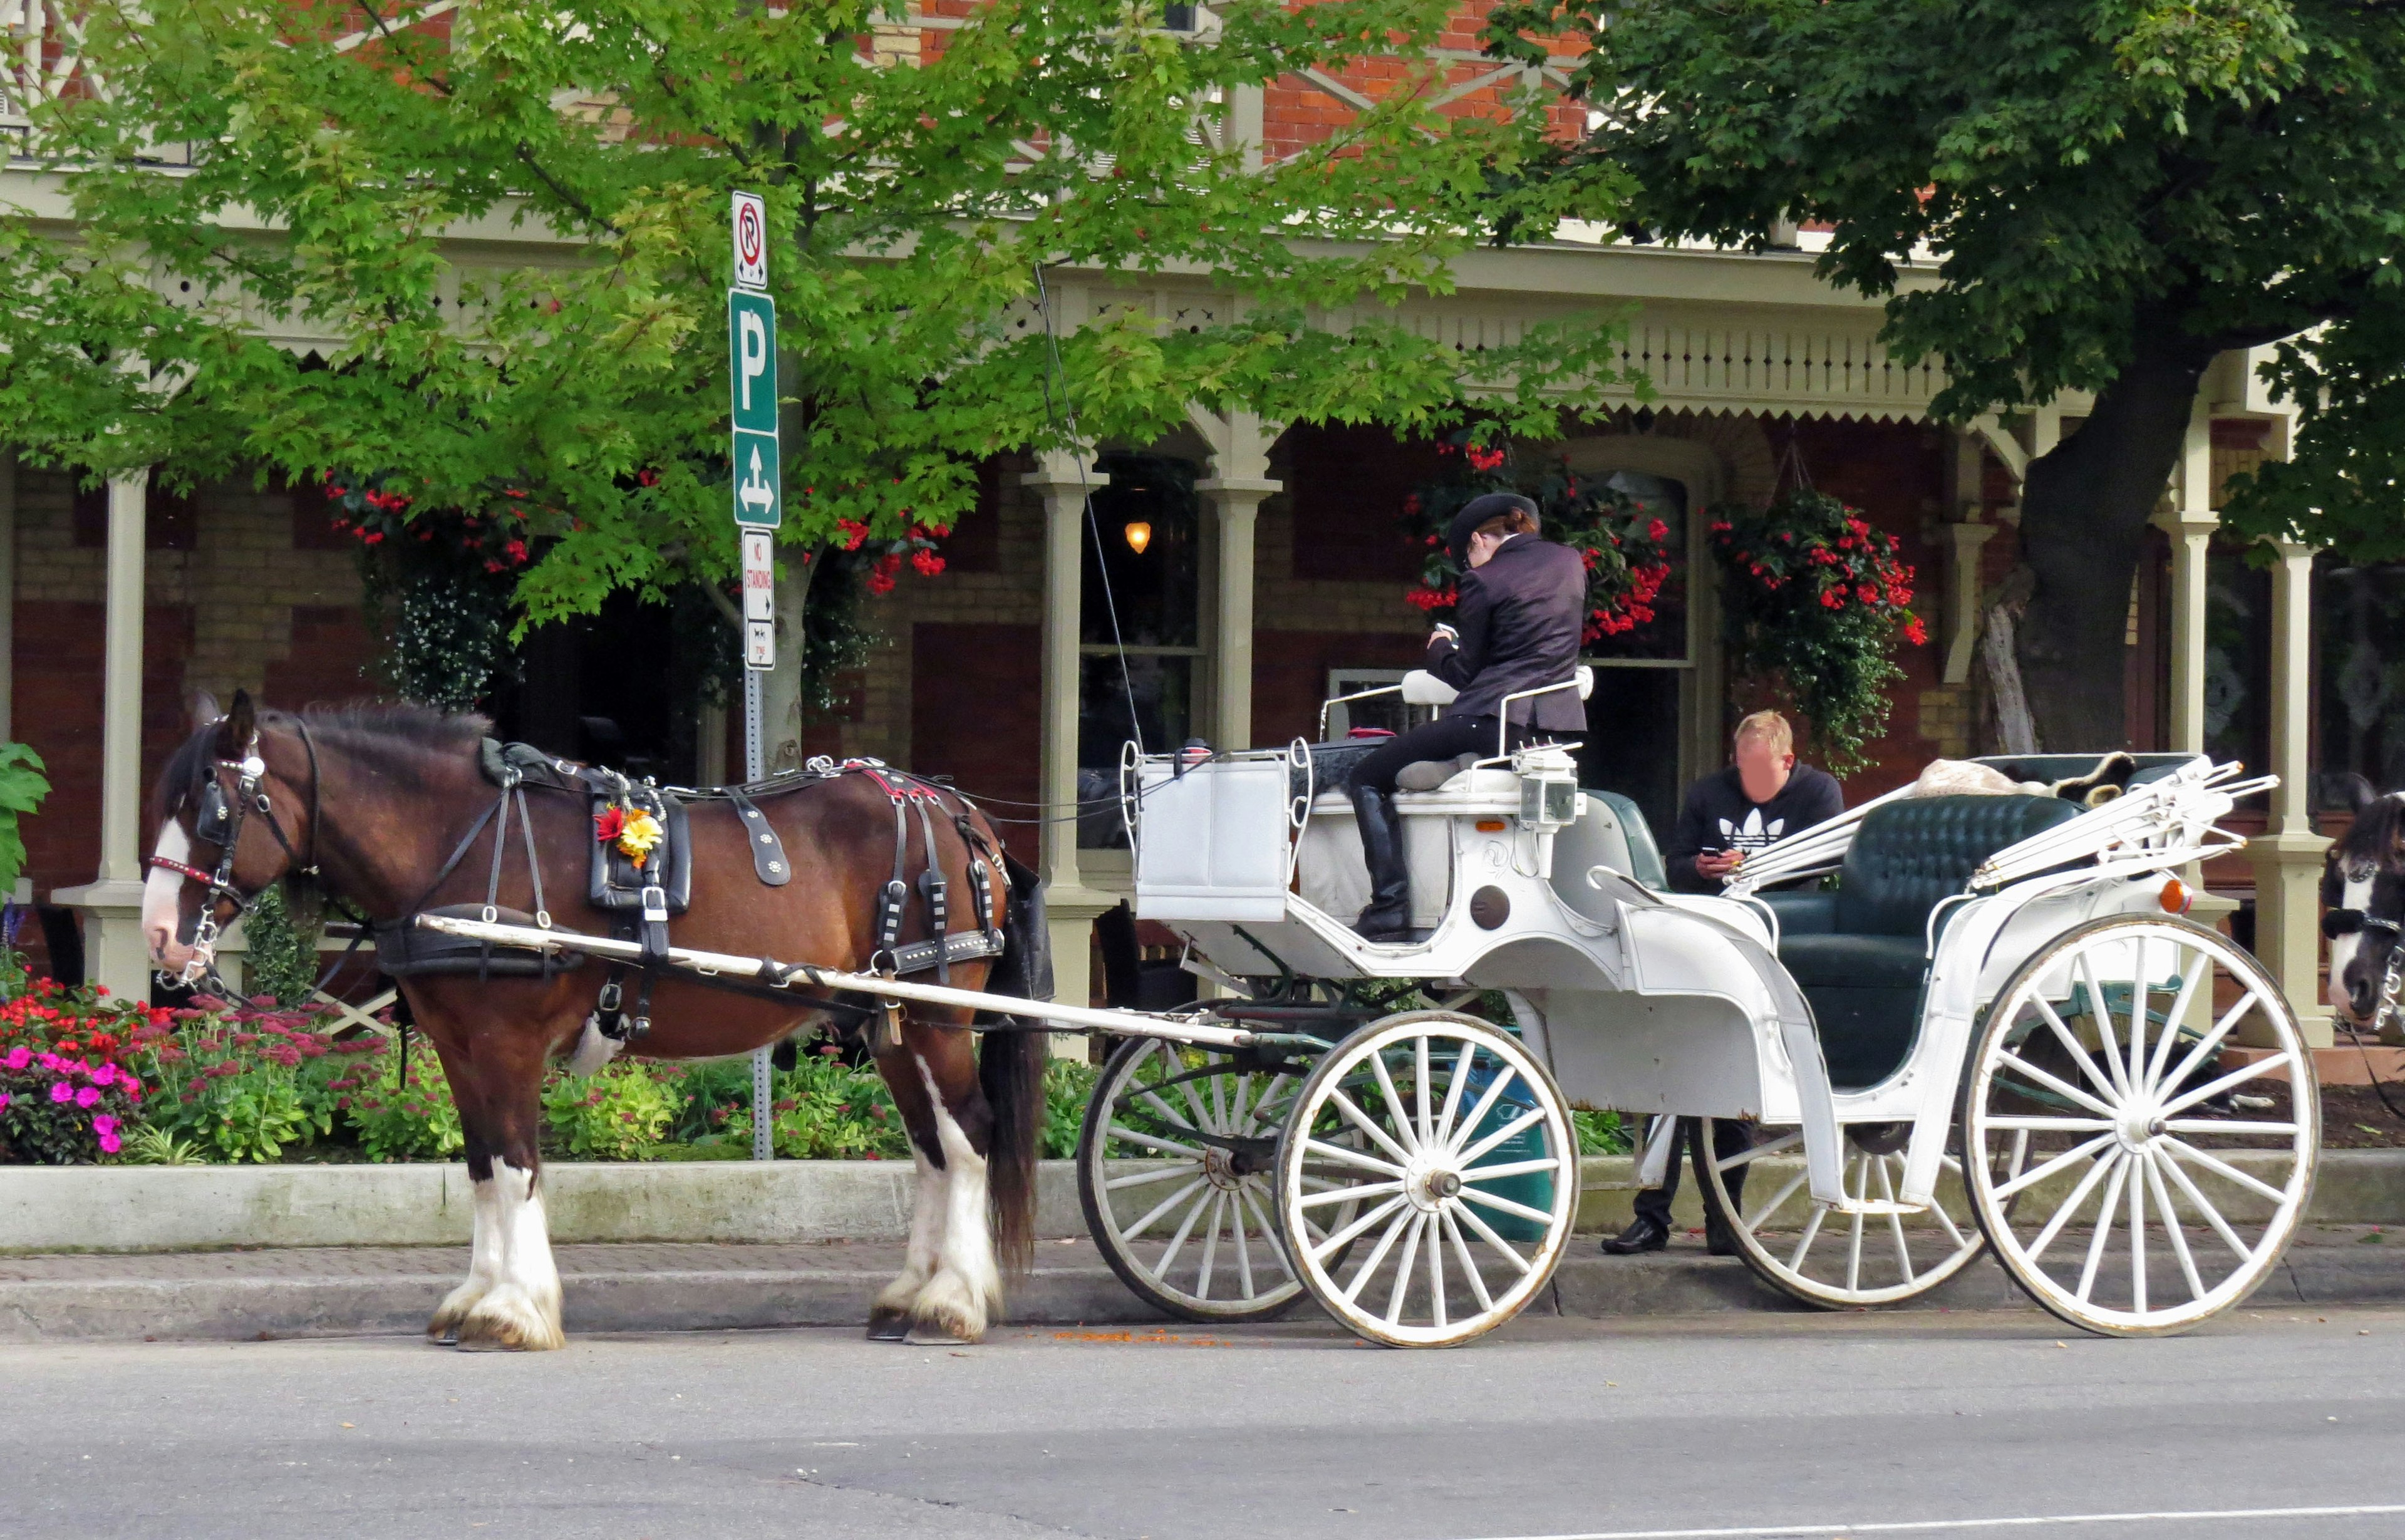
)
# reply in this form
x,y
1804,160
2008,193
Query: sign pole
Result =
x,y
759,507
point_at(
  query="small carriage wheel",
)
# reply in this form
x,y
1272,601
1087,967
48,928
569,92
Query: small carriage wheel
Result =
x,y
1839,1261
2149,1196
1463,1183
1191,1230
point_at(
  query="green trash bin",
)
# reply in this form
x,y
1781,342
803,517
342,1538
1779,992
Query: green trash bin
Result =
x,y
1517,1104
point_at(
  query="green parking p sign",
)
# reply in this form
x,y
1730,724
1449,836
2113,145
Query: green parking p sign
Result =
x,y
751,366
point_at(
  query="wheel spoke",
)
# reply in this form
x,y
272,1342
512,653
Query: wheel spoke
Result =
x,y
2078,1196
2071,1044
1353,1114
2232,1125
1347,1195
1166,1147
2203,1206
1461,1254
2134,1073
1463,1212
1486,1101
1395,1110
1403,1266
2224,1169
2138,1239
1337,1240
1895,1221
1505,1205
1369,1267
2104,1229
1937,1210
1854,1239
2108,1047
2172,1225
1503,1131
1435,1226
1516,1168
1146,1179
1772,1207
1454,1085
2038,1173
1243,1250
1425,1127
1344,1157
1210,1246
2239,1076
1811,1233
2190,976
2054,1083
1785,1141
2211,1041
2014,1122
1168,1203
1185,1228
1277,1253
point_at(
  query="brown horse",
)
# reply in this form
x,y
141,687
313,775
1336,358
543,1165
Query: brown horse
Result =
x,y
2362,901
373,800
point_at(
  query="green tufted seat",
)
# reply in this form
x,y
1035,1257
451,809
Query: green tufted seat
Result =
x,y
1857,952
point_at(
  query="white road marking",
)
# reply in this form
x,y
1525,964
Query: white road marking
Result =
x,y
1934,1526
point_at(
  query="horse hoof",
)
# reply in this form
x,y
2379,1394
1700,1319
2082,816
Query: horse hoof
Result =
x,y
889,1325
500,1323
932,1337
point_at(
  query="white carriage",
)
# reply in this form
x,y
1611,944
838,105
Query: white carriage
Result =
x,y
1997,1030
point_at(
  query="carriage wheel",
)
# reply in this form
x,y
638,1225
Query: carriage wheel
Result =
x,y
2130,1180
1462,1176
1193,1229
1838,1261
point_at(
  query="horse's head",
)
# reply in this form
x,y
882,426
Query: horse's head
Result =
x,y
232,807
2362,901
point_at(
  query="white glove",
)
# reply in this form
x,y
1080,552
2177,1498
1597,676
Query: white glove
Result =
x,y
1447,631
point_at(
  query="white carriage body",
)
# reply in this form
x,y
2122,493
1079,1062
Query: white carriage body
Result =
x,y
1639,1000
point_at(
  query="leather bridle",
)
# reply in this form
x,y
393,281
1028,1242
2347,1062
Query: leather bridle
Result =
x,y
224,824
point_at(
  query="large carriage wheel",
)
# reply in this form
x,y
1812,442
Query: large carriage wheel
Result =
x,y
1832,1260
2111,1161
1192,1230
1453,1147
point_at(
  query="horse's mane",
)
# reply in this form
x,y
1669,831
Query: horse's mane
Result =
x,y
402,723
2377,837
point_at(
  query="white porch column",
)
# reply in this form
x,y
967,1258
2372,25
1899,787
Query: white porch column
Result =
x,y
2190,526
2287,855
1070,907
1232,504
112,949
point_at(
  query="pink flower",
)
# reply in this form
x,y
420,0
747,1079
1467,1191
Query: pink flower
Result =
x,y
62,1092
19,1057
88,1098
104,1124
110,1143
3,1098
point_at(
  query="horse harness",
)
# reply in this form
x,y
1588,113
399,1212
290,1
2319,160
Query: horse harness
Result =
x,y
641,898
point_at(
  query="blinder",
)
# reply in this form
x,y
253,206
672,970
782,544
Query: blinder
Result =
x,y
213,820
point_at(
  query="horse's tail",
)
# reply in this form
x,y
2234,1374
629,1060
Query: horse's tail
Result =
x,y
1011,1071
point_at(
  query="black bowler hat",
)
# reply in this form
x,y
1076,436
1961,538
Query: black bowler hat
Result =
x,y
1493,504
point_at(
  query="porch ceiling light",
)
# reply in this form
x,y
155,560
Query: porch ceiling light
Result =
x,y
1139,534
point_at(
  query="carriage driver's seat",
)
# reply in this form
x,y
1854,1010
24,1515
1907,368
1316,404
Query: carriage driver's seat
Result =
x,y
1858,953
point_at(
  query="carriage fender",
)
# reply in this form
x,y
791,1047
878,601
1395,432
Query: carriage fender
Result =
x,y
1686,950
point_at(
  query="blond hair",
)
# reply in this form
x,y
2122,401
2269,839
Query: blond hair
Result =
x,y
1769,727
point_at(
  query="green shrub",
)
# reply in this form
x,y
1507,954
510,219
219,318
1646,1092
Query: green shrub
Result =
x,y
823,1109
1068,1086
413,1120
1600,1133
282,938
620,1114
243,1081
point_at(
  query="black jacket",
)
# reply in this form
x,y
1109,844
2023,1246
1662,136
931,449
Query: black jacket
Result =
x,y
1719,816
1521,617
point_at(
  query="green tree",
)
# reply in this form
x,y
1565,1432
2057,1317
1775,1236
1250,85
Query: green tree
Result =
x,y
915,206
2115,192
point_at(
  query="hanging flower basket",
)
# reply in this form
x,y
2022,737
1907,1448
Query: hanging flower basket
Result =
x,y
1814,600
1627,548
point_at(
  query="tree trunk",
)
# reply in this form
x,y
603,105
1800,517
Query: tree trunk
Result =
x,y
2083,511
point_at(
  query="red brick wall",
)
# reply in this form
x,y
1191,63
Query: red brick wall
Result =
x,y
1290,674
57,711
975,699
331,651
1348,486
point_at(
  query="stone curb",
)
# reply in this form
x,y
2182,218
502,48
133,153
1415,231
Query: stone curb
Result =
x,y
191,1207
238,1307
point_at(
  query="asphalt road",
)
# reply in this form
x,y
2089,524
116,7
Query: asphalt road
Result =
x,y
1733,1424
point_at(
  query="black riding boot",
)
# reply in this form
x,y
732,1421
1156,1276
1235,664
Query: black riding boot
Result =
x,y
1390,915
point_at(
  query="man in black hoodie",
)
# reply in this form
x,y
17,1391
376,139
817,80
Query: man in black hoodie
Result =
x,y
1516,625
1764,796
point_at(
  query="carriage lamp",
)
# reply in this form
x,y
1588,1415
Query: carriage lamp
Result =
x,y
2176,897
1139,534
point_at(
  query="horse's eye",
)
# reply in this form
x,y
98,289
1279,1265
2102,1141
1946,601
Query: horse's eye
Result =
x,y
2341,922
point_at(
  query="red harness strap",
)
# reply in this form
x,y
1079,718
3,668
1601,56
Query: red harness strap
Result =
x,y
180,869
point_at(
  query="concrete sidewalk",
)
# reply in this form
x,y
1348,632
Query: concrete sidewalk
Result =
x,y
378,1290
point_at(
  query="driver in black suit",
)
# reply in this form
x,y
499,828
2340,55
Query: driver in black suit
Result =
x,y
1517,625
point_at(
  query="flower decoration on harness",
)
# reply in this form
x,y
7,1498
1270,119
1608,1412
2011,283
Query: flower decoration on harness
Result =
x,y
633,831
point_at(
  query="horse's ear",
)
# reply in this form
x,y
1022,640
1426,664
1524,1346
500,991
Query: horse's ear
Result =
x,y
2358,793
240,726
204,709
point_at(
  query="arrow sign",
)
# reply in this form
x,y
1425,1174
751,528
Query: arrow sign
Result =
x,y
752,371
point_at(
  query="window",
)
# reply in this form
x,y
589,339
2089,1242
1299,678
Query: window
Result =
x,y
1140,628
